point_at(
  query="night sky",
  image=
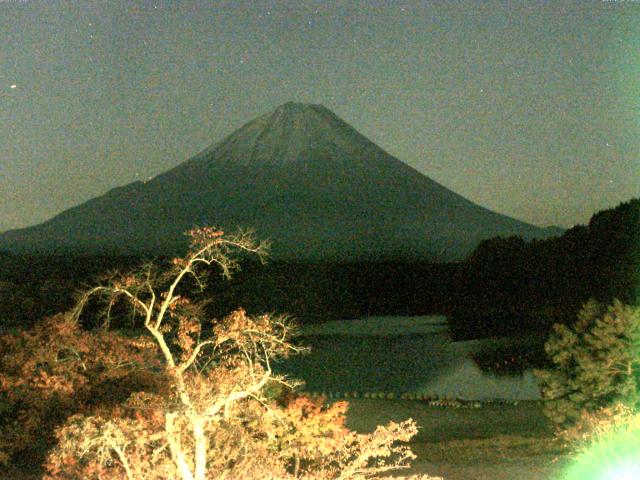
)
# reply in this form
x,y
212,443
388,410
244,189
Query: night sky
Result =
x,y
531,109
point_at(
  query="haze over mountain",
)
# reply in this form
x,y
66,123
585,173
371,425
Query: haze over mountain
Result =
x,y
299,176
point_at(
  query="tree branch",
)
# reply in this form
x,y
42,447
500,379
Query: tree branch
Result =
x,y
194,354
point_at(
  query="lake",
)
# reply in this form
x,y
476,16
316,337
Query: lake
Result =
x,y
401,355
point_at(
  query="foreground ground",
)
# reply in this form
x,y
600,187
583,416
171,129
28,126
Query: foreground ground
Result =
x,y
497,442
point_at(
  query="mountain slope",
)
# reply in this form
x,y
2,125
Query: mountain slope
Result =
x,y
300,176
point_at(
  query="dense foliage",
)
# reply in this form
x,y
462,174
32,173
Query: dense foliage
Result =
x,y
57,369
596,363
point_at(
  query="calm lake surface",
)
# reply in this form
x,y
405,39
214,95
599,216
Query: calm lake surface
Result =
x,y
401,355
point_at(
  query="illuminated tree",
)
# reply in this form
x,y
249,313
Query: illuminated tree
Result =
x,y
597,363
217,417
57,369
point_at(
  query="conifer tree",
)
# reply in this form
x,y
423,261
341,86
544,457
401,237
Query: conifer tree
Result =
x,y
597,363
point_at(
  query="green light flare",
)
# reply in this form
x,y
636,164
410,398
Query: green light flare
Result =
x,y
625,472
614,456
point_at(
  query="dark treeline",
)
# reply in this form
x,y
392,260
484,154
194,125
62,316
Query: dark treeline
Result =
x,y
36,286
507,286
315,292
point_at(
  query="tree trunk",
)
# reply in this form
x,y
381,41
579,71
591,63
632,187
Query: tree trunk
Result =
x,y
175,448
201,447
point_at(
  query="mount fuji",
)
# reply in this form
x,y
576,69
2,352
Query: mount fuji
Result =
x,y
299,176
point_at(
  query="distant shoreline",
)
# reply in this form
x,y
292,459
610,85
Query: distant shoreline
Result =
x,y
379,326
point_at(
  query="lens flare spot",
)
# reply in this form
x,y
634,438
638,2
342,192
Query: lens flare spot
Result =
x,y
624,472
613,456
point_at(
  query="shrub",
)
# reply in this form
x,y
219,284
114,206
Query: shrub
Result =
x,y
56,369
592,427
597,363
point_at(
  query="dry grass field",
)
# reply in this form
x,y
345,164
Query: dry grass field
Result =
x,y
496,442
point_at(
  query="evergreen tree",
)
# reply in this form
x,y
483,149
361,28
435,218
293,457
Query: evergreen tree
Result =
x,y
597,363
